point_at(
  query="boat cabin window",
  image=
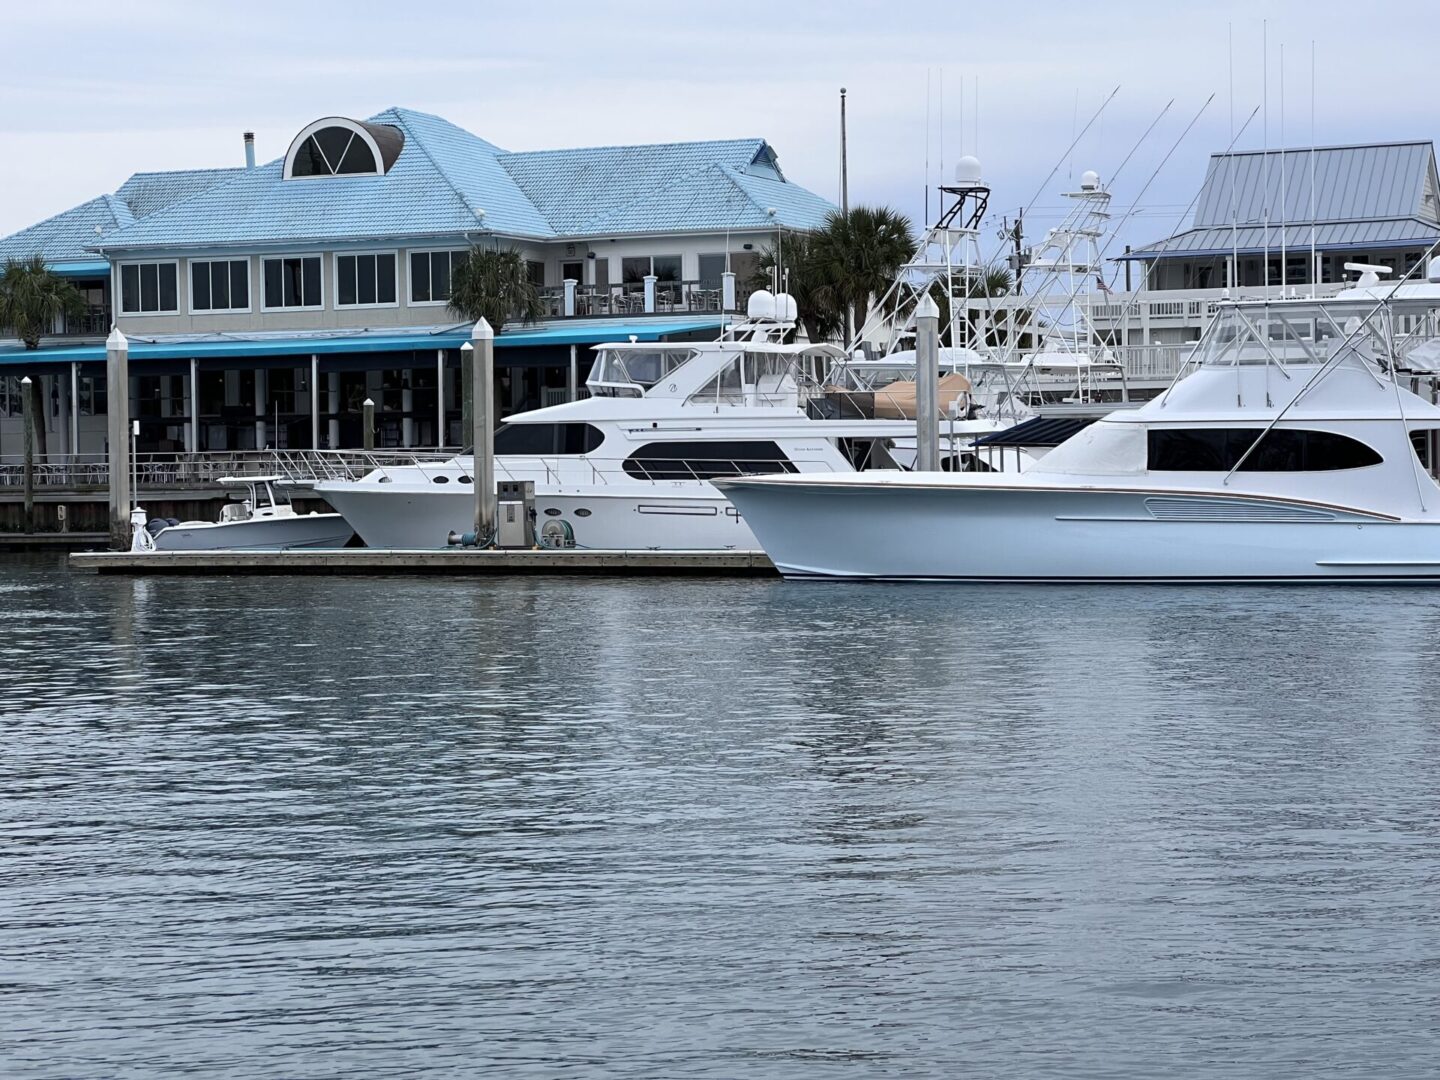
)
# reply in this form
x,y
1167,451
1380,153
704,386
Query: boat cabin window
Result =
x,y
641,368
1282,450
758,376
547,439
706,460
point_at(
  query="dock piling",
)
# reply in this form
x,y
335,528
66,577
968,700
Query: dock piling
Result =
x,y
927,388
117,372
27,406
482,345
368,407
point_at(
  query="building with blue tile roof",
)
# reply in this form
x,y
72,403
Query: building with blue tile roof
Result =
x,y
264,302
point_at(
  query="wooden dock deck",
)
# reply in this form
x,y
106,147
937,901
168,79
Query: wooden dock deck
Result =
x,y
451,561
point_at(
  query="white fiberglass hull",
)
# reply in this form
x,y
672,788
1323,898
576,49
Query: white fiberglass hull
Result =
x,y
268,533
1020,533
688,517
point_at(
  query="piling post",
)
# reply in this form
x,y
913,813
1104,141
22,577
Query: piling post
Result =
x,y
28,408
927,388
467,390
117,379
368,408
482,434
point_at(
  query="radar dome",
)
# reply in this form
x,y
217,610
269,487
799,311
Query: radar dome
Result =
x,y
967,170
761,304
1089,180
785,308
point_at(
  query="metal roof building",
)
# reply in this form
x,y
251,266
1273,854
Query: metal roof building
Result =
x,y
1371,202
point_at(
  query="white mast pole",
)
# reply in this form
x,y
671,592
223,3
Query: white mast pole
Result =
x,y
1284,189
1314,259
1265,152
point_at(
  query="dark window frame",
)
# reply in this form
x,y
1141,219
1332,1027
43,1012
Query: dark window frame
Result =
x,y
548,440
427,258
144,280
208,307
292,271
707,459
1282,450
364,268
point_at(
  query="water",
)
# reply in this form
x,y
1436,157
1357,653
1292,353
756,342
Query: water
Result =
x,y
681,829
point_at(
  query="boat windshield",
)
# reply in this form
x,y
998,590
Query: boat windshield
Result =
x,y
1289,332
766,377
630,372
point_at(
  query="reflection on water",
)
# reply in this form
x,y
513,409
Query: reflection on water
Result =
x,y
322,827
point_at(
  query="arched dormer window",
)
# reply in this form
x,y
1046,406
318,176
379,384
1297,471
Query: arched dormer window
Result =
x,y
336,146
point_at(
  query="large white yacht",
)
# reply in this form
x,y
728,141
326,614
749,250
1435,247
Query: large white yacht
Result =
x,y
1298,450
631,466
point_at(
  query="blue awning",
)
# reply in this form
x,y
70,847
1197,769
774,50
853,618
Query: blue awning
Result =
x,y
94,268
225,346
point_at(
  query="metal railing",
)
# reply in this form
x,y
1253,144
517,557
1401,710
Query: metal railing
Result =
x,y
94,321
629,298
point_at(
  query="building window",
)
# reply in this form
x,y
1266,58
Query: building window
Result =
x,y
364,280
430,275
536,272
92,395
149,288
336,146
220,285
292,282
1282,450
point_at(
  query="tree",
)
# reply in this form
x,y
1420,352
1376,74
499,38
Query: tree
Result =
x,y
861,253
32,298
494,284
805,280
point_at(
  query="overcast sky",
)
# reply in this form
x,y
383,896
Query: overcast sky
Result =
x,y
94,91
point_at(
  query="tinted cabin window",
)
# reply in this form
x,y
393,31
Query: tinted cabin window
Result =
x,y
706,460
547,439
1218,449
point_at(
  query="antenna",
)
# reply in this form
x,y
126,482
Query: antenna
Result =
x,y
1265,147
942,122
1284,190
1230,168
1314,259
927,146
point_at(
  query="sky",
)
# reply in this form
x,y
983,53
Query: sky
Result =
x,y
91,92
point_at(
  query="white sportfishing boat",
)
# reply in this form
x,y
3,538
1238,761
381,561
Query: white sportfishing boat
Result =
x,y
632,466
1297,451
262,520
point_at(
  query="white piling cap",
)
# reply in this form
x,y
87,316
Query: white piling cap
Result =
x,y
467,347
25,381
117,342
368,402
482,331
927,308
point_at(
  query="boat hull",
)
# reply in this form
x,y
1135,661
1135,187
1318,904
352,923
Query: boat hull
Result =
x,y
692,518
991,533
279,533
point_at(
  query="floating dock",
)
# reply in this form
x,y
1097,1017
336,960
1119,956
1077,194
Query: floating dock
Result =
x,y
451,561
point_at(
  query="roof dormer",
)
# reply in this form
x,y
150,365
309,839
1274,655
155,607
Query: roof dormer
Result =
x,y
336,146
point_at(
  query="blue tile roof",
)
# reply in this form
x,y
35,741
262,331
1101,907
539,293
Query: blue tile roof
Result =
x,y
664,187
448,182
65,237
145,193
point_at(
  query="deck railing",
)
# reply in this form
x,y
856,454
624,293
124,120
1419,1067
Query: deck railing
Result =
x,y
637,298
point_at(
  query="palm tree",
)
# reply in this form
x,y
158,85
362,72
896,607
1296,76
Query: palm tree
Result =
x,y
861,253
803,278
494,284
32,298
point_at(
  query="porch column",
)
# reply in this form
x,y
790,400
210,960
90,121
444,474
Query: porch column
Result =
x,y
727,291
74,414
332,380
650,280
570,298
574,374
192,429
314,402
439,398
261,383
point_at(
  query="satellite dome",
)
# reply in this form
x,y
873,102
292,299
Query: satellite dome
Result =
x,y
1089,180
967,170
761,305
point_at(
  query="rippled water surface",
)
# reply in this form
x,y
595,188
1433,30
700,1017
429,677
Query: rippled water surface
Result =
x,y
363,828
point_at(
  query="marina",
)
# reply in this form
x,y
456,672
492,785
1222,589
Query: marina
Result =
x,y
529,549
